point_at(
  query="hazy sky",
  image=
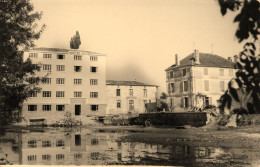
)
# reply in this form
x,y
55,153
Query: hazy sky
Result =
x,y
139,37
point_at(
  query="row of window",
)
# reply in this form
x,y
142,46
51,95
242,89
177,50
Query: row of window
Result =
x,y
45,143
61,56
131,92
184,86
185,102
60,107
47,67
184,71
131,103
61,81
62,94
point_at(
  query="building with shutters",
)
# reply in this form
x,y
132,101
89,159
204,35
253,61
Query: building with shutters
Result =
x,y
198,80
75,82
129,96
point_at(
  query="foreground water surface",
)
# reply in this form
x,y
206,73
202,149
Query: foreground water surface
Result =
x,y
83,146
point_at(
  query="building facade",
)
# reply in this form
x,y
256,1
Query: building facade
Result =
x,y
198,80
129,96
74,81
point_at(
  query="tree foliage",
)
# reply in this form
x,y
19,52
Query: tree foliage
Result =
x,y
247,80
75,41
18,31
163,95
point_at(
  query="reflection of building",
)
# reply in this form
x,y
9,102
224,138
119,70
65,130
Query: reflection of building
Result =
x,y
197,75
129,96
75,82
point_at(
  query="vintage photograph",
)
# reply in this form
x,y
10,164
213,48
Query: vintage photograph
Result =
x,y
130,82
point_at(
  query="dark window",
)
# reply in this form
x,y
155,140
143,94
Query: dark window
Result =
x,y
171,74
94,141
94,107
32,107
172,87
60,143
77,140
60,56
186,102
77,68
184,72
60,107
77,109
117,92
93,69
32,143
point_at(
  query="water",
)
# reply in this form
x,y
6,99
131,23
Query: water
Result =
x,y
58,146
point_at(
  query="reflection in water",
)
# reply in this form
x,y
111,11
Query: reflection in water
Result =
x,y
87,147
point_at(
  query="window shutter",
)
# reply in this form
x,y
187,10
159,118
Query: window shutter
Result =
x,y
210,100
182,102
181,86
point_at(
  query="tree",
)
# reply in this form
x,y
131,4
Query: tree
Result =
x,y
75,41
18,31
163,95
247,82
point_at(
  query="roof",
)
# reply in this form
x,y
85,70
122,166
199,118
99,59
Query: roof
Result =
x,y
64,50
206,60
127,83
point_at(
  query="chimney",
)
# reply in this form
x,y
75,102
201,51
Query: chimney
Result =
x,y
235,59
176,60
229,58
197,56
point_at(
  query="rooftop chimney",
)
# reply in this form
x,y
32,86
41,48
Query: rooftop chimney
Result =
x,y
235,59
229,58
197,56
176,60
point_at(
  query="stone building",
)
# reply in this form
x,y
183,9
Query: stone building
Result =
x,y
198,80
75,81
129,96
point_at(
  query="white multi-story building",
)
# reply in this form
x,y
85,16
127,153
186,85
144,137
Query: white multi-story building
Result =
x,y
129,96
198,80
75,81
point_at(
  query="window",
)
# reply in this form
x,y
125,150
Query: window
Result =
x,y
60,107
77,81
46,81
60,56
94,155
77,57
32,143
32,80
185,85
206,72
172,87
145,92
186,102
94,141
206,101
46,67
46,107
171,74
33,94
46,157
33,55
93,94
77,68
131,93
77,155
60,67
117,92
118,103
93,58
60,156
47,56
222,86
77,109
221,72
46,143
31,157
59,143
169,88
60,80
77,94
230,72
131,104
94,107
206,85
93,81
184,72
32,107
172,102
93,69
46,93
60,94
77,140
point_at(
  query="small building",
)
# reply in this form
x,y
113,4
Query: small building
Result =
x,y
198,80
129,96
74,81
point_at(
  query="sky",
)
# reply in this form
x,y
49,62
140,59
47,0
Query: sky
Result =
x,y
139,37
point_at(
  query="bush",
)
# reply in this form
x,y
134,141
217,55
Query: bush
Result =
x,y
68,121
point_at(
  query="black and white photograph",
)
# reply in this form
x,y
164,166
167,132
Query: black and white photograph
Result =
x,y
130,83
